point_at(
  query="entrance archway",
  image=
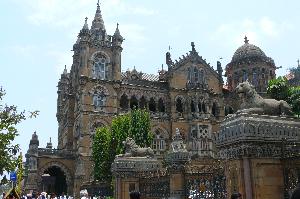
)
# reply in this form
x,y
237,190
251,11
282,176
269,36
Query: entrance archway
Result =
x,y
54,180
56,177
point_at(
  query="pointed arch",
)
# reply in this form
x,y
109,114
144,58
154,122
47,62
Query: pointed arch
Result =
x,y
161,105
124,102
133,102
152,105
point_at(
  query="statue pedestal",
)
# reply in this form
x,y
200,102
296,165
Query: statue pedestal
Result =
x,y
254,147
128,170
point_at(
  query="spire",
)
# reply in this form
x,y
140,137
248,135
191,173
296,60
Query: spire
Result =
x,y
193,46
85,26
98,22
246,40
298,61
117,34
65,70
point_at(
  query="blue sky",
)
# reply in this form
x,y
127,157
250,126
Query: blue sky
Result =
x,y
37,36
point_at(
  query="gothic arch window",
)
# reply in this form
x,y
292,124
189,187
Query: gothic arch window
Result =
x,y
124,102
204,107
214,109
100,69
159,141
200,107
99,100
152,105
245,75
189,74
255,77
179,105
193,109
133,102
228,110
201,76
161,105
143,103
196,75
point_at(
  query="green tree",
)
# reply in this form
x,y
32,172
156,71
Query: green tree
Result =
x,y
101,154
294,99
9,118
108,142
140,127
278,88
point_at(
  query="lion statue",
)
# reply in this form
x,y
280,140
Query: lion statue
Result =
x,y
133,150
254,103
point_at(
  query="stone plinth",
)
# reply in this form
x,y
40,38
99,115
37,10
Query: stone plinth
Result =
x,y
255,149
253,135
128,170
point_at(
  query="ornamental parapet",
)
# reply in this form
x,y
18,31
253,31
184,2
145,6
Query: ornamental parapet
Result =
x,y
56,152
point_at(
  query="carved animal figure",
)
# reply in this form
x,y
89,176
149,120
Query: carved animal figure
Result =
x,y
133,150
254,103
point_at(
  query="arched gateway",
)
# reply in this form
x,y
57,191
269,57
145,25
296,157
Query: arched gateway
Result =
x,y
56,178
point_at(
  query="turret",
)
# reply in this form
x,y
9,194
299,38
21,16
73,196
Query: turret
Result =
x,y
220,72
117,37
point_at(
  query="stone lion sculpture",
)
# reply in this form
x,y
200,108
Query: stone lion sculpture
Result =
x,y
254,103
133,150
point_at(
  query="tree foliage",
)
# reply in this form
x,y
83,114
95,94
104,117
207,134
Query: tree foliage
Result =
x,y
108,142
101,146
294,99
279,89
9,118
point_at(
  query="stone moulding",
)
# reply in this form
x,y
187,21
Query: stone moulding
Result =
x,y
255,135
135,166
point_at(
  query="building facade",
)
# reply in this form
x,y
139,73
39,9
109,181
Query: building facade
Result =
x,y
189,95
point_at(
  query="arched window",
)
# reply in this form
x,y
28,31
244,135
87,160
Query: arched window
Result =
x,y
143,103
161,105
193,109
179,105
152,105
200,107
100,67
255,78
203,107
159,142
214,109
189,74
201,76
133,102
99,99
196,75
124,102
245,76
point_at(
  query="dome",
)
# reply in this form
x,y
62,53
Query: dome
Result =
x,y
248,51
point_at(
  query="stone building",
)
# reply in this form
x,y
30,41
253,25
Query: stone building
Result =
x,y
190,96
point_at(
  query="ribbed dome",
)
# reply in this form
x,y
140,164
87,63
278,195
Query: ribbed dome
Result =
x,y
247,51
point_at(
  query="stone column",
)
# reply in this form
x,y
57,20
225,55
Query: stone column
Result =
x,y
177,183
247,178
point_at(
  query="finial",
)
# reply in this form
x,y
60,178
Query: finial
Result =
x,y
98,3
86,18
50,139
65,67
193,46
246,40
298,62
162,67
117,25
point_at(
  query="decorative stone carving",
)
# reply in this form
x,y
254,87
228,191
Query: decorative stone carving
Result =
x,y
254,103
246,135
133,150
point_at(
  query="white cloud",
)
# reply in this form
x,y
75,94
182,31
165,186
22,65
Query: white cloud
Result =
x,y
256,30
62,59
68,13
